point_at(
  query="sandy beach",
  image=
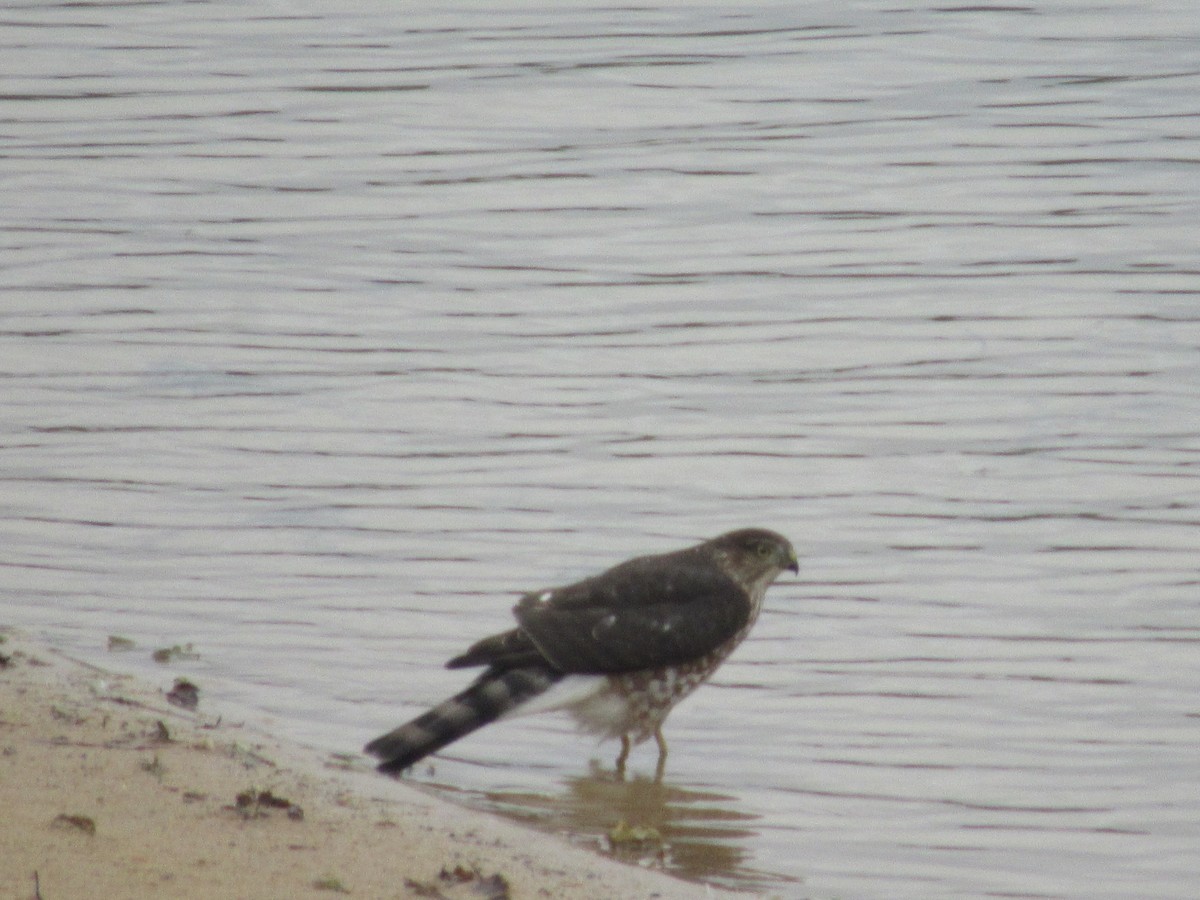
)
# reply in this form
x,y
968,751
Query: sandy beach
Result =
x,y
110,790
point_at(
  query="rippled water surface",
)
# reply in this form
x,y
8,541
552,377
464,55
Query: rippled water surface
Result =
x,y
326,329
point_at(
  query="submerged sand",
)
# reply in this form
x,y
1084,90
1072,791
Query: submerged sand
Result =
x,y
109,790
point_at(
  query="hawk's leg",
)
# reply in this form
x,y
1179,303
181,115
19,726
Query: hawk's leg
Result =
x,y
662,753
626,745
622,757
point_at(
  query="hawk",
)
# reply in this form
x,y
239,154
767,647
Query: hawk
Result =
x,y
617,650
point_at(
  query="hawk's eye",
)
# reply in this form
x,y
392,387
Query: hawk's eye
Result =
x,y
763,550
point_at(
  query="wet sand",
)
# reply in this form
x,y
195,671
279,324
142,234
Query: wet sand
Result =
x,y
109,790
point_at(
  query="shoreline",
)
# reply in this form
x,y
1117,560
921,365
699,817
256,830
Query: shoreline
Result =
x,y
110,790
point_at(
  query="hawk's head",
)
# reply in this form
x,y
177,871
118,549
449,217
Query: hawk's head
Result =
x,y
754,557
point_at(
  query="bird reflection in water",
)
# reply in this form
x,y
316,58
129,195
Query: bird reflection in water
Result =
x,y
698,835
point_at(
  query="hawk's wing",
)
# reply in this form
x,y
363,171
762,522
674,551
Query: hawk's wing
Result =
x,y
642,614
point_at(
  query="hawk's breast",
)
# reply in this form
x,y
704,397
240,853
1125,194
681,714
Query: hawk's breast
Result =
x,y
637,703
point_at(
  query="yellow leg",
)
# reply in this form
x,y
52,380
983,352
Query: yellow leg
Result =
x,y
623,757
662,753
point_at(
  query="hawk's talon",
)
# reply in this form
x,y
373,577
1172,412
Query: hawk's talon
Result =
x,y
662,754
623,757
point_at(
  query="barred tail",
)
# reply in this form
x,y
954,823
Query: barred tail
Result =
x,y
487,699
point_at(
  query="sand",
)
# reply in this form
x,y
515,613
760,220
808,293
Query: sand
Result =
x,y
107,790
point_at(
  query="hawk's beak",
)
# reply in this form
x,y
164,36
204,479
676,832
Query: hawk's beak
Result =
x,y
793,563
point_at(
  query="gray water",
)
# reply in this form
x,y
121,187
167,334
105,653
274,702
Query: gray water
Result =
x,y
327,330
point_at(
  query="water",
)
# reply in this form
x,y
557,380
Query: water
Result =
x,y
327,331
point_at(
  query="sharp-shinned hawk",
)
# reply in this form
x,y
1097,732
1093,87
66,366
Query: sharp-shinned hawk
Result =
x,y
617,650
